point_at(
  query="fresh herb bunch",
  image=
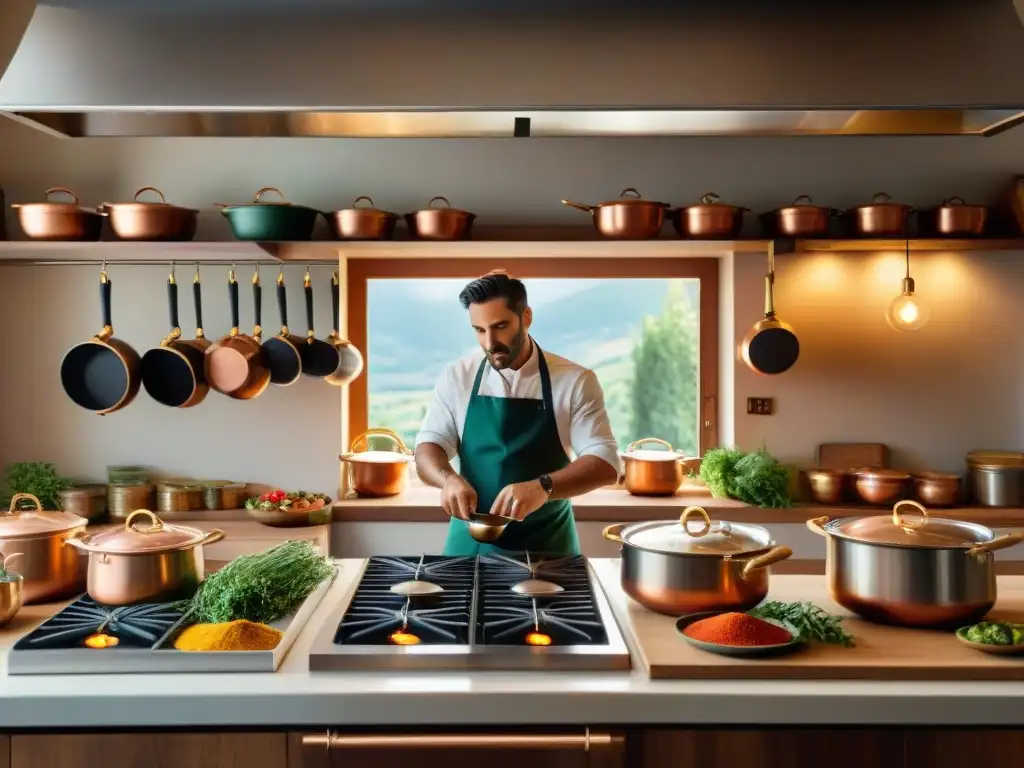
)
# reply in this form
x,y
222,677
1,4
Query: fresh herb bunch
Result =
x,y
261,587
756,478
39,478
812,622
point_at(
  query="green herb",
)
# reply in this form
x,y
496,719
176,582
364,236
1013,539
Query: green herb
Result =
x,y
811,622
39,478
755,478
993,633
5,574
261,587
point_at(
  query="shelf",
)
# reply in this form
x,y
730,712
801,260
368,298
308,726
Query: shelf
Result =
x,y
917,245
32,252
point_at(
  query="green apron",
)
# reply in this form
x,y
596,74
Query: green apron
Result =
x,y
512,440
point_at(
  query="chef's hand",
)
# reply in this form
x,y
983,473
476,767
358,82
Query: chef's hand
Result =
x,y
458,498
520,499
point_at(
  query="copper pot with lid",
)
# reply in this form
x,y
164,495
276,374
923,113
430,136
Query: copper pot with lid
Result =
x,y
377,473
954,218
800,219
151,221
137,563
363,222
915,571
433,223
653,472
709,219
879,218
51,571
628,218
56,221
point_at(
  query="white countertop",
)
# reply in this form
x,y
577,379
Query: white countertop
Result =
x,y
295,697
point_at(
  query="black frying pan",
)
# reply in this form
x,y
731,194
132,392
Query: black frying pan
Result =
x,y
173,373
319,358
282,351
101,374
770,347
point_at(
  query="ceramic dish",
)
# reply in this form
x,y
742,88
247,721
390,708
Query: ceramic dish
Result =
x,y
302,518
999,650
738,650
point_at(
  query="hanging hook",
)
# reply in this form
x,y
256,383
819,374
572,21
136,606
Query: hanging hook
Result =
x,y
280,275
103,271
256,275
196,278
231,273
171,278
306,280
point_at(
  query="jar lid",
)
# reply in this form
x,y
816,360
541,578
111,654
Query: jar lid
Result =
x,y
137,536
28,523
995,459
901,530
685,536
377,457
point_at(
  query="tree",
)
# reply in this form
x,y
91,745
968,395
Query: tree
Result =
x,y
663,390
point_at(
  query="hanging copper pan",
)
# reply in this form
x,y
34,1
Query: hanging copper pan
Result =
x,y
236,365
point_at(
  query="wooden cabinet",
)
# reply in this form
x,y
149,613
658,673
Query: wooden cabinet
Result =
x,y
956,748
149,750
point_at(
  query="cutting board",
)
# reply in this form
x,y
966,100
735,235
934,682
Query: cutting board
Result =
x,y
880,653
844,456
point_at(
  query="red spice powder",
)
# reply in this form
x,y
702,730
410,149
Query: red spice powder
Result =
x,y
737,629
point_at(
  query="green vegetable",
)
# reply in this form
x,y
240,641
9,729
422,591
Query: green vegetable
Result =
x,y
994,633
812,622
755,478
39,478
262,587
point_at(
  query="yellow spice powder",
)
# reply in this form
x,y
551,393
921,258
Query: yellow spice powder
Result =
x,y
238,635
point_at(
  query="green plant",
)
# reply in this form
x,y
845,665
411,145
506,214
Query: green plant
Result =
x,y
755,478
39,478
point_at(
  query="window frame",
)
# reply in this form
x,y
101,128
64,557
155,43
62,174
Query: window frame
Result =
x,y
706,270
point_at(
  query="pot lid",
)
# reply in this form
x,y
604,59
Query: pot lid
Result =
x,y
881,200
996,459
634,451
914,530
695,534
137,204
630,196
803,203
711,200
446,207
377,457
25,523
138,536
958,202
58,206
368,210
257,200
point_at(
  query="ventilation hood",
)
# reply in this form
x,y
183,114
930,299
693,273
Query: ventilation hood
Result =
x,y
95,68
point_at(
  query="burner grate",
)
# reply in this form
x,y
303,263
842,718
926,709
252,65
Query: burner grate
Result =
x,y
134,626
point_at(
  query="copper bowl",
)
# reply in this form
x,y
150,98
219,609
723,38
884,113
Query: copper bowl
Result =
x,y
937,489
880,486
827,485
487,528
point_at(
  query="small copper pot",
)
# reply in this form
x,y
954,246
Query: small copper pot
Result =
x,y
955,218
827,485
236,365
59,221
708,220
151,221
366,223
881,218
446,223
652,473
628,218
377,473
801,219
880,486
937,489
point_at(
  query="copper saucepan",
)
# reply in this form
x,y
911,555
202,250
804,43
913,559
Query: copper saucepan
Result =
x,y
800,219
51,220
954,218
363,223
236,365
151,221
377,473
653,473
628,218
708,220
445,223
880,218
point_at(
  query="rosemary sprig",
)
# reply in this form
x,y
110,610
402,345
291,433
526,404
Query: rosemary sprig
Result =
x,y
812,622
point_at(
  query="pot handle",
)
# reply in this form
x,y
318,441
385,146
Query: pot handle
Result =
x,y
5,560
259,195
629,192
214,535
579,206
65,190
613,532
79,540
996,544
367,198
802,199
156,524
900,522
645,440
881,197
815,524
773,555
20,497
437,198
379,432
689,512
151,189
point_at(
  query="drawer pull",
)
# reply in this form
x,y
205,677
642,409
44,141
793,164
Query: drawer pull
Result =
x,y
585,741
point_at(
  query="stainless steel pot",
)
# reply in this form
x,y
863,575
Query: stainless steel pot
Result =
x,y
51,571
672,568
377,473
134,564
653,473
914,572
997,478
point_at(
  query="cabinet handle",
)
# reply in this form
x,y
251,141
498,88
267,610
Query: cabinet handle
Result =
x,y
584,741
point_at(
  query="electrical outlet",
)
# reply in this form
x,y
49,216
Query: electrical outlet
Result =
x,y
759,406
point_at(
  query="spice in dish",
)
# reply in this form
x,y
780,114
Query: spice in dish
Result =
x,y
238,635
737,629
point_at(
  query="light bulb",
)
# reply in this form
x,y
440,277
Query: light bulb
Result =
x,y
907,312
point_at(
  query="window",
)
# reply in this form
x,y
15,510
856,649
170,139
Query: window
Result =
x,y
647,328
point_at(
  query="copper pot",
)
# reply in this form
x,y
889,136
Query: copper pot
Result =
x,y
937,489
151,221
652,473
708,220
445,223
801,219
51,571
954,218
827,485
154,563
880,486
628,218
880,218
173,373
59,221
367,223
236,365
377,473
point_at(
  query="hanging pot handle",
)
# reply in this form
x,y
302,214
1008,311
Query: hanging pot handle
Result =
x,y
1002,542
900,522
172,308
282,302
20,497
106,287
645,440
233,301
335,304
773,555
689,512
257,303
197,301
613,532
817,525
580,206
307,287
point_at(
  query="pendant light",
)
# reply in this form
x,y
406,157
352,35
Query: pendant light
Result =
x,y
907,312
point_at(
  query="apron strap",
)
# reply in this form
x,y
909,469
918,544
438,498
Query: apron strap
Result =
x,y
545,386
478,380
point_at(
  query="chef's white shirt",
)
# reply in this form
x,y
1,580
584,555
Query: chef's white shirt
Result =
x,y
576,394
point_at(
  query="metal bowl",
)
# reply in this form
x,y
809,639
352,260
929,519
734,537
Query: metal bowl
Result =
x,y
937,489
880,486
827,485
487,528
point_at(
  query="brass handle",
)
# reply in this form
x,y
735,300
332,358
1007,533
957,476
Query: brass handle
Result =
x,y
709,199
689,512
215,535
585,741
802,199
379,432
151,189
629,192
816,525
438,198
645,440
367,198
19,497
65,190
156,524
906,525
580,206
774,555
613,532
259,195
1009,540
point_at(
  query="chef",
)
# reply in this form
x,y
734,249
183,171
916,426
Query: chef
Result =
x,y
529,428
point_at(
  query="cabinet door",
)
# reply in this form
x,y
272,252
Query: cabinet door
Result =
x,y
959,748
568,749
150,750
784,748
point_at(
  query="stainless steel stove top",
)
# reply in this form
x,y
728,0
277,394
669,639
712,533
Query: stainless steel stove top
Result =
x,y
476,620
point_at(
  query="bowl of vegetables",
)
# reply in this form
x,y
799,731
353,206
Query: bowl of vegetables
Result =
x,y
1001,637
280,509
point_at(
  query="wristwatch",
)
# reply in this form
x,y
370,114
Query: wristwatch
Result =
x,y
546,483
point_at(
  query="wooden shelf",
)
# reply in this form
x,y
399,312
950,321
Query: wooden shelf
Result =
x,y
114,252
917,245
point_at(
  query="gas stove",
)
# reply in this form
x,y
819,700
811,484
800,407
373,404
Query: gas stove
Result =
x,y
498,612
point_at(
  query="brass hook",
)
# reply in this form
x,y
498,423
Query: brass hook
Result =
x,y
170,277
196,278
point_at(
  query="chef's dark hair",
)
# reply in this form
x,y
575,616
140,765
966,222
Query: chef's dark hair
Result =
x,y
496,285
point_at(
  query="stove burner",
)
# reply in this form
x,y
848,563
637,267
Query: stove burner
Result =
x,y
85,621
417,587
